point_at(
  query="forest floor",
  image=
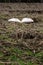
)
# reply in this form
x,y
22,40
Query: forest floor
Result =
x,y
21,44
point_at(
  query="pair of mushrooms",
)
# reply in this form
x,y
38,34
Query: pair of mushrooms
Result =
x,y
24,20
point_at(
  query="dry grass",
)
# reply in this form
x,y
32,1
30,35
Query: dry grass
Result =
x,y
21,44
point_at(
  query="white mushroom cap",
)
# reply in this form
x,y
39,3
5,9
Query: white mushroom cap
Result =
x,y
14,19
27,20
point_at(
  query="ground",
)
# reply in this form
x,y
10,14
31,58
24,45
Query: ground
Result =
x,y
21,43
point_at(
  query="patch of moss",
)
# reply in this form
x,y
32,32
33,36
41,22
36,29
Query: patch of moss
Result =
x,y
2,64
1,54
39,56
31,63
